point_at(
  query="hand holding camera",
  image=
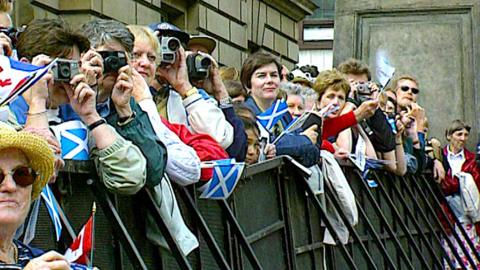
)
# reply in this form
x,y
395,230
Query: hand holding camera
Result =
x,y
92,66
36,97
122,91
140,87
82,99
366,110
176,74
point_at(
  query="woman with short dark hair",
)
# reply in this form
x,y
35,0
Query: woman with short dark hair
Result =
x,y
461,183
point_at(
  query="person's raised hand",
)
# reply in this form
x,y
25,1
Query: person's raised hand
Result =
x,y
176,74
92,66
438,171
311,133
366,110
5,45
51,260
38,93
122,92
82,99
141,90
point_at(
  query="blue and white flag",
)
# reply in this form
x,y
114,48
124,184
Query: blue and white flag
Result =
x,y
16,77
52,205
384,70
77,266
73,137
271,116
226,173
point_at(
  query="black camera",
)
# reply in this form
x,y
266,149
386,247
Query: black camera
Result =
x,y
64,70
113,61
364,90
168,49
198,66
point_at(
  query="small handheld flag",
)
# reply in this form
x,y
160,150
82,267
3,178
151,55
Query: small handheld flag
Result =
x,y
384,70
73,138
51,204
226,173
270,117
79,250
17,77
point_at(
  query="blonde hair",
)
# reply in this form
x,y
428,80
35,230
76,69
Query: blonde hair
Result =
x,y
145,34
404,77
6,6
331,78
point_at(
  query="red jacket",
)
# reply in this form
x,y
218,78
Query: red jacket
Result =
x,y
450,184
205,146
333,126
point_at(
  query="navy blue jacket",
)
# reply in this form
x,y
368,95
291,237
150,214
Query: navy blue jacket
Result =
x,y
238,149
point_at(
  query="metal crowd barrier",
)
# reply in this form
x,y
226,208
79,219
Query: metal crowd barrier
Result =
x,y
273,220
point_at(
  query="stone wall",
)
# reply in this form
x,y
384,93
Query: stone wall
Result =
x,y
436,41
238,25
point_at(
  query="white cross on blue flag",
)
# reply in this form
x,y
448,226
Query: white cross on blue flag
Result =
x,y
271,116
226,173
73,137
16,77
51,204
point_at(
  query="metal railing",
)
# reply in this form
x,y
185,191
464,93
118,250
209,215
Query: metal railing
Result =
x,y
273,220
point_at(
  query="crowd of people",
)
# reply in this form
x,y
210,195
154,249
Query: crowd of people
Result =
x,y
156,109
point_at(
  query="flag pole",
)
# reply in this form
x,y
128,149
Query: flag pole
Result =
x,y
94,209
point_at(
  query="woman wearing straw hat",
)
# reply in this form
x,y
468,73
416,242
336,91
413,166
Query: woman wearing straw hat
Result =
x,y
26,165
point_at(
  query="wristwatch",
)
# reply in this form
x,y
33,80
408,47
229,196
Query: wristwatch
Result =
x,y
190,92
225,102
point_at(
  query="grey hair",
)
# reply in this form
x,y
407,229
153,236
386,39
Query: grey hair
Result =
x,y
290,88
101,32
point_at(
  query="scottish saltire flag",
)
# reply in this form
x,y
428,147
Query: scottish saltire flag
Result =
x,y
271,116
16,77
384,70
52,205
73,138
226,173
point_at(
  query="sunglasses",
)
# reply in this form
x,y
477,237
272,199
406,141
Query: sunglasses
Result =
x,y
406,88
23,176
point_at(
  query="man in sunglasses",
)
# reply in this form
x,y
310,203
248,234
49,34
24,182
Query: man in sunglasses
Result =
x,y
407,91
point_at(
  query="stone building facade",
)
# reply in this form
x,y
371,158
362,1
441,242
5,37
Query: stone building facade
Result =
x,y
239,26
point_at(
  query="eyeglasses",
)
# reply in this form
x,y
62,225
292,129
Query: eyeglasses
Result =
x,y
406,88
23,176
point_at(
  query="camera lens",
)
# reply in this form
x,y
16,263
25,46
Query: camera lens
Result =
x,y
64,71
205,62
173,44
112,63
168,57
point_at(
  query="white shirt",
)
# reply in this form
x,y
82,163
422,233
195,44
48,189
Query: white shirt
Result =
x,y
455,160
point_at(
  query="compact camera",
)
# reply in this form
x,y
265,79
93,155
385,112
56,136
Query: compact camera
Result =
x,y
363,92
113,61
198,66
64,70
168,49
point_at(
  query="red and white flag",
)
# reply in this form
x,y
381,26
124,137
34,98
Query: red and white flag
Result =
x,y
79,250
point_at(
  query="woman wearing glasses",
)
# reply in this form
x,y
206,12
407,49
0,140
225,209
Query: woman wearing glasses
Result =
x,y
26,165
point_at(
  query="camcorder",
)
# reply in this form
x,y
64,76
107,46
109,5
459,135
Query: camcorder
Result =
x,y
198,66
168,49
64,70
113,61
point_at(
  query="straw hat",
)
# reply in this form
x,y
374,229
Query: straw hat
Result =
x,y
36,149
205,41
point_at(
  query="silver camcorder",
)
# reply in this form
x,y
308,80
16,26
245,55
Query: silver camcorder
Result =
x,y
168,49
